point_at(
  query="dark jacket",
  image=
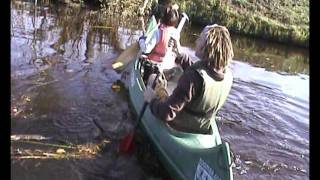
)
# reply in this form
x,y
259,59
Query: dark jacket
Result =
x,y
199,94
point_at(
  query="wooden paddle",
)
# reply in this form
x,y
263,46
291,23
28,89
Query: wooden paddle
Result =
x,y
128,55
126,145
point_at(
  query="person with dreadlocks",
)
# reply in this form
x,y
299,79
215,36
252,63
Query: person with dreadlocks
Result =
x,y
203,87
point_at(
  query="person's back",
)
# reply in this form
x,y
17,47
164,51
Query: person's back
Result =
x,y
196,115
203,88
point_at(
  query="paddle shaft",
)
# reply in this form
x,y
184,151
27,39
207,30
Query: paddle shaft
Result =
x,y
182,21
144,107
180,25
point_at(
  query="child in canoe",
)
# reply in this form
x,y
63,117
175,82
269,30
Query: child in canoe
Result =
x,y
156,47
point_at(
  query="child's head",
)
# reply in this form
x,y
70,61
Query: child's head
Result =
x,y
171,15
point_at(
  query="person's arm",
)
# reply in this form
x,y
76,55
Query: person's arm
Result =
x,y
188,85
147,44
183,60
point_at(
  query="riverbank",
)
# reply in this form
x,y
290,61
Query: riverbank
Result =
x,y
282,21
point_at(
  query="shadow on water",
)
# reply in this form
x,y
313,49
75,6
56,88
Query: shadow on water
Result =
x,y
64,109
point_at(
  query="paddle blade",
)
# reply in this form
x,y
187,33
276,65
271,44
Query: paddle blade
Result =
x,y
126,56
152,25
126,145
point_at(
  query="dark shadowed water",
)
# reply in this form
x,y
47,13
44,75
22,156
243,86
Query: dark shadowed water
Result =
x,y
62,100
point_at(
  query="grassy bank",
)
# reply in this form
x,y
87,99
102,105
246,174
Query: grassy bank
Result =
x,y
285,21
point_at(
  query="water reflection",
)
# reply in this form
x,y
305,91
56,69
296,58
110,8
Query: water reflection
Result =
x,y
273,56
61,89
50,29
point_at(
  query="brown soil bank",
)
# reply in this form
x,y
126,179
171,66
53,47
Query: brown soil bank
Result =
x,y
285,21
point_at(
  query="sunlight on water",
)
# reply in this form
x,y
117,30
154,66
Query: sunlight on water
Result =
x,y
292,85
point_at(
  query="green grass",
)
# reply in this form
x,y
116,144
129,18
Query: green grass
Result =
x,y
285,21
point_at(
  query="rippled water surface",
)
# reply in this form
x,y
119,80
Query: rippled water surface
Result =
x,y
62,100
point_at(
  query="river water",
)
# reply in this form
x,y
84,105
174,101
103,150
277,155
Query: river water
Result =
x,y
67,120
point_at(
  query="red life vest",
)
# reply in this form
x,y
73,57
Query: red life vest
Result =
x,y
159,51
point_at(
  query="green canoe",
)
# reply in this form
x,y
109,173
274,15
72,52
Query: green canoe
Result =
x,y
186,156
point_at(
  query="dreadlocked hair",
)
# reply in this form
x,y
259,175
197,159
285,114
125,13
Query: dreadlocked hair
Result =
x,y
218,49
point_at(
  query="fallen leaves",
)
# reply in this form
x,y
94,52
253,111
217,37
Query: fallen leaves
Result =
x,y
115,87
83,151
20,106
15,111
60,151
